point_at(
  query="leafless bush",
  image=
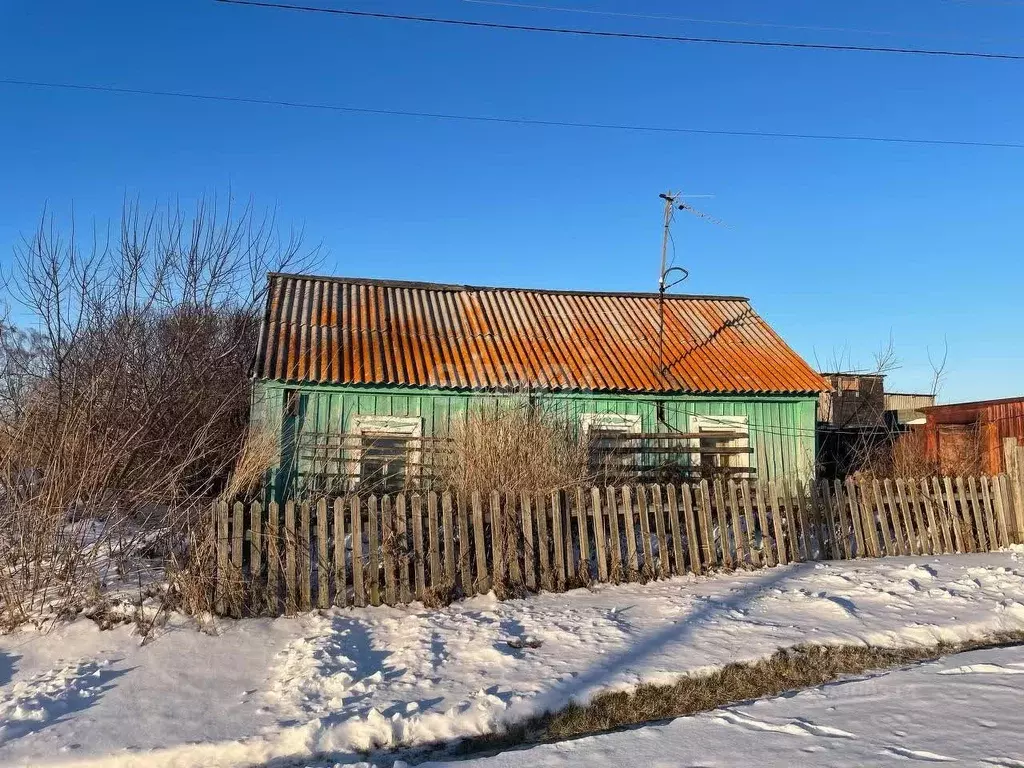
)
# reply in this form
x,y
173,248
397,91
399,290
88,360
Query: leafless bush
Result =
x,y
124,395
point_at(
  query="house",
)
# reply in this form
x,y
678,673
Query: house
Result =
x,y
361,379
955,432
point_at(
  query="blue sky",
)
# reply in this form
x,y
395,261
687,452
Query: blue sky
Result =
x,y
838,244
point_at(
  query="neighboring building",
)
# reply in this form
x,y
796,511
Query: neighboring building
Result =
x,y
852,400
359,377
906,408
954,430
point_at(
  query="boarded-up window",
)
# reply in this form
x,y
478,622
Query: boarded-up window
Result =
x,y
611,453
387,459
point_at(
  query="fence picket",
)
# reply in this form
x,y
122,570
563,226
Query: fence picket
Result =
x,y
583,569
862,533
659,528
767,548
510,544
448,532
774,509
373,547
388,548
632,567
562,556
690,522
752,545
497,517
304,559
220,511
891,536
950,513
673,519
852,536
614,541
323,571
963,514
356,526
419,562
600,545
646,542
999,500
434,540
340,587
273,558
822,501
540,511
811,531
791,525
936,513
400,549
483,581
466,579
529,570
237,538
737,526
723,526
707,526
979,516
256,544
290,575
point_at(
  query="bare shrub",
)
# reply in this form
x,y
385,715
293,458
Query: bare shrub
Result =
x,y
124,397
259,452
906,455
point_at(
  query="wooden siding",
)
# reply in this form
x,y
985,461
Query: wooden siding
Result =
x,y
782,428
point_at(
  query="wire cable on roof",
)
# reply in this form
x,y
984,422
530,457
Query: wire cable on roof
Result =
x,y
452,116
628,35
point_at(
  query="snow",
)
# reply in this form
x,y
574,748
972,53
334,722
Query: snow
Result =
x,y
905,717
341,683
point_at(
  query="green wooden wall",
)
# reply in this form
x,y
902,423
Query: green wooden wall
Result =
x,y
782,428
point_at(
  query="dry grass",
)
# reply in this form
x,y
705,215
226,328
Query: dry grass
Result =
x,y
788,669
259,452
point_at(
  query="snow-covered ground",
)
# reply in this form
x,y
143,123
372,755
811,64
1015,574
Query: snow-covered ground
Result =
x,y
963,709
337,683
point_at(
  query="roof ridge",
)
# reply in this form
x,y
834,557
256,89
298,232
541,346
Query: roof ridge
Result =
x,y
453,287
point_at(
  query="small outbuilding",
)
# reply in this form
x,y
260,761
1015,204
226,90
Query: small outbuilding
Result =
x,y
359,380
979,428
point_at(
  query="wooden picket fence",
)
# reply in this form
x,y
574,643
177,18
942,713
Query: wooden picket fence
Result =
x,y
435,547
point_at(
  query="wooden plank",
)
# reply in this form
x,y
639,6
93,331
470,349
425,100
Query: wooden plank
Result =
x,y
356,526
305,566
709,550
776,520
867,542
448,537
832,546
673,523
892,537
659,527
809,529
323,567
511,544
632,566
497,517
751,544
373,545
237,538
898,503
1000,504
546,579
737,524
646,542
419,561
583,570
600,545
615,541
950,513
932,498
873,540
911,513
722,515
340,578
690,520
388,548
466,579
791,527
988,513
978,516
931,540
767,548
483,579
434,540
401,549
562,555
291,585
1013,488
850,535
257,542
529,551
223,557
963,514
273,558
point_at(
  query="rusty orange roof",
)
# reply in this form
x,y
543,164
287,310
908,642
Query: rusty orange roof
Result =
x,y
386,332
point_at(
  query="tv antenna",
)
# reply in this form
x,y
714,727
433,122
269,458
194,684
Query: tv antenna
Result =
x,y
674,201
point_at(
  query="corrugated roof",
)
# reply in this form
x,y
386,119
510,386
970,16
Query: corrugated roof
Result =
x,y
360,331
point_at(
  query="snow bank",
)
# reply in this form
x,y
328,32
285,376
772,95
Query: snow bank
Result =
x,y
344,682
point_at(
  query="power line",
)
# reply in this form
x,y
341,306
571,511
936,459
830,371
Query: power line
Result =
x,y
626,35
513,120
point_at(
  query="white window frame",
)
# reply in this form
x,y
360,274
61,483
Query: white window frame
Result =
x,y
407,426
710,424
627,423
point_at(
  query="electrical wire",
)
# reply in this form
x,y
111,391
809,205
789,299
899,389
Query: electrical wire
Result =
x,y
627,35
452,116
